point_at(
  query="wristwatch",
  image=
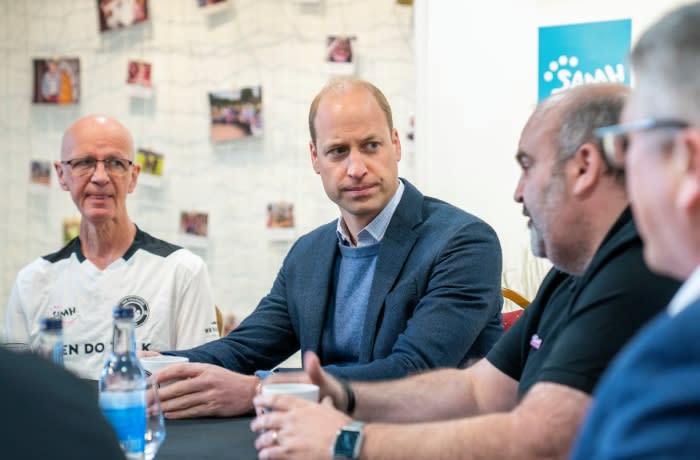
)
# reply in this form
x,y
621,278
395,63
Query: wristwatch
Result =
x,y
348,441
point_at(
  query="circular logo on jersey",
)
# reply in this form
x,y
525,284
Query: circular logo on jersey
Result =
x,y
140,307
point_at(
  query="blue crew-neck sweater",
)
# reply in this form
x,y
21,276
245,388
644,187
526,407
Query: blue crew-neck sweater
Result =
x,y
345,320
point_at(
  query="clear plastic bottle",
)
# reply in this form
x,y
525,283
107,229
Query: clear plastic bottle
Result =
x,y
49,342
123,386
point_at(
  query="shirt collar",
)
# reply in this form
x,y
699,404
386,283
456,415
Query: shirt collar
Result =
x,y
375,230
689,291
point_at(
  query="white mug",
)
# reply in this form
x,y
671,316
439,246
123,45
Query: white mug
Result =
x,y
152,364
307,391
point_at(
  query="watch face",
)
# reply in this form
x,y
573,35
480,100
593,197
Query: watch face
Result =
x,y
345,443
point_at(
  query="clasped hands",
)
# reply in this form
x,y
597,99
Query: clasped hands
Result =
x,y
291,428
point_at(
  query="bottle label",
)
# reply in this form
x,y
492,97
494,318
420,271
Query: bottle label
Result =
x,y
126,411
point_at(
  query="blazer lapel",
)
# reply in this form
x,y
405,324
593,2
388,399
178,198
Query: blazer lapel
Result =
x,y
316,294
395,247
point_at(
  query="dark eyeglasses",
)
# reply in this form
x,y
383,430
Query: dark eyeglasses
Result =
x,y
615,138
85,166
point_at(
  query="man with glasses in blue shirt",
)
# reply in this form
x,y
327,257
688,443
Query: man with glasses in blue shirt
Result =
x,y
111,262
648,405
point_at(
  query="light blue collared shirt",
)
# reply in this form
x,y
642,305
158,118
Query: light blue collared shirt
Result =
x,y
688,292
375,230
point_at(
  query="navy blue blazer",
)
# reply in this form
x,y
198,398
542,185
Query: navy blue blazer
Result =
x,y
435,300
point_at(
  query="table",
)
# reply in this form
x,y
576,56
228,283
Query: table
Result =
x,y
203,438
208,438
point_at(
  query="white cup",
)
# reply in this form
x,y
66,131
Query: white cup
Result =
x,y
306,391
152,364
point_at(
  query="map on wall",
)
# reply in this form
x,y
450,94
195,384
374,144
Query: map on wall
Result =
x,y
575,54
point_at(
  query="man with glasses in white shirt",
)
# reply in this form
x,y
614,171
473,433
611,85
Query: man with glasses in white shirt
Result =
x,y
111,262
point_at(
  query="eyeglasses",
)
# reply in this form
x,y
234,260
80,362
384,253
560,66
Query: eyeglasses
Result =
x,y
85,166
615,138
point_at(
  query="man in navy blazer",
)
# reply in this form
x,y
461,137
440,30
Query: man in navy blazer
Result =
x,y
398,284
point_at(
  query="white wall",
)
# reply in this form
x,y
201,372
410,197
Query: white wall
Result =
x,y
276,43
476,85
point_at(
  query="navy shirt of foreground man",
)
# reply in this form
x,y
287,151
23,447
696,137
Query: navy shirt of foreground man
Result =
x,y
49,413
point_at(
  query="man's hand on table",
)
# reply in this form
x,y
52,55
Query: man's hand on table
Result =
x,y
204,390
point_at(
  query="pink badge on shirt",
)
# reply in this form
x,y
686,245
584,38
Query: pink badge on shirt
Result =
x,y
535,341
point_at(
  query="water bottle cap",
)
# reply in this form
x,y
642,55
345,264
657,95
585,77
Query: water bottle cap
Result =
x,y
51,324
123,312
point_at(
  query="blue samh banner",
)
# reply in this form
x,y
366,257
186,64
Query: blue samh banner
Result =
x,y
575,54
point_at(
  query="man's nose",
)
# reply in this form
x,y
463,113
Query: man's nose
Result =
x,y
356,164
99,174
518,194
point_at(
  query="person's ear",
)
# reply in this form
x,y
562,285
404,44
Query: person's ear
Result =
x,y
58,167
686,166
314,157
135,170
587,166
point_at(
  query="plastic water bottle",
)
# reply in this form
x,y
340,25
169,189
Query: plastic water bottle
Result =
x,y
49,343
123,387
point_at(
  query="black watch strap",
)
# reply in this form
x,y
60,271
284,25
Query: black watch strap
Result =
x,y
349,395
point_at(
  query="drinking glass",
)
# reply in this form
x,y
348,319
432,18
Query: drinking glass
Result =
x,y
155,423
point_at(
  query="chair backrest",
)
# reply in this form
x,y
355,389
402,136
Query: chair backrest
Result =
x,y
511,317
219,321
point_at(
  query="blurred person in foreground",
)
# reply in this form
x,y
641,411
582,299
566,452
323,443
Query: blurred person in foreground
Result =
x,y
111,262
49,413
648,404
399,283
527,398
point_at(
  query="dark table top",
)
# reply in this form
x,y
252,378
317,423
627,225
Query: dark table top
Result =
x,y
208,438
204,438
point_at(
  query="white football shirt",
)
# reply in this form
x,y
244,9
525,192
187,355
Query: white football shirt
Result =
x,y
167,286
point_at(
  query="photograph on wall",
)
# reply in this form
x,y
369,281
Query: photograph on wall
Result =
x,y
194,223
71,228
339,48
339,56
211,3
411,131
139,74
236,113
56,80
280,221
139,79
280,215
151,167
575,54
40,172
115,14
151,162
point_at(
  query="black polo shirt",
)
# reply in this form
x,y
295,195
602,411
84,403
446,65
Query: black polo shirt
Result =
x,y
576,325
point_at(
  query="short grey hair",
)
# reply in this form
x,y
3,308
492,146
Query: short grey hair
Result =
x,y
667,58
589,109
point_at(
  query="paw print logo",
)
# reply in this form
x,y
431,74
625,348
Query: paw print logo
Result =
x,y
559,65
